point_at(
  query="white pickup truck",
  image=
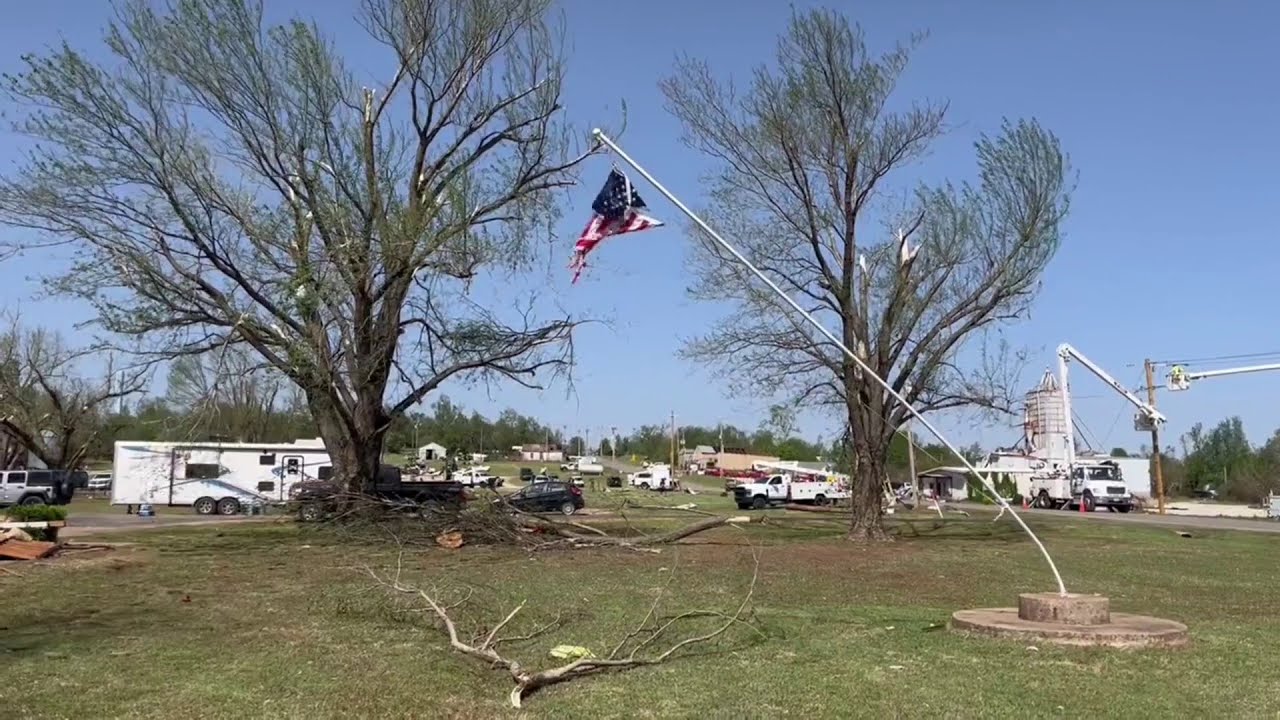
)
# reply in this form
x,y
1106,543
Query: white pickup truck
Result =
x,y
760,494
476,477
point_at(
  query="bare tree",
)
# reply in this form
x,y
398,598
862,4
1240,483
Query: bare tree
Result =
x,y
227,392
53,411
804,154
221,181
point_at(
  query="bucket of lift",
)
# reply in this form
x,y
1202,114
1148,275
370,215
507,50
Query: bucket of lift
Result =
x,y
1143,423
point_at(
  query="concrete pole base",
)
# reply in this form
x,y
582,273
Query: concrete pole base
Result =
x,y
1081,620
1070,609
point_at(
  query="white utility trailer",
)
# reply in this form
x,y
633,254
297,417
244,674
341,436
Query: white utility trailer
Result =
x,y
214,477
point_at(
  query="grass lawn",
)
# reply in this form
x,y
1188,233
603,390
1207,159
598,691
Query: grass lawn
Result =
x,y
282,621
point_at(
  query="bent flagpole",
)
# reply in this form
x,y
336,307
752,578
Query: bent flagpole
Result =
x,y
1004,505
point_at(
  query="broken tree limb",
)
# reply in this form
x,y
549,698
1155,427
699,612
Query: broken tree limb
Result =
x,y
580,540
816,509
636,649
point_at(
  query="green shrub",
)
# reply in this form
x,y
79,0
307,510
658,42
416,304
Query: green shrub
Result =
x,y
1004,484
36,513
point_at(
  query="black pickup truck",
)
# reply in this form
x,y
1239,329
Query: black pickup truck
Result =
x,y
315,499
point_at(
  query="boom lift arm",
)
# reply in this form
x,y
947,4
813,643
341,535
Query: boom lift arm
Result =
x,y
1147,417
1180,379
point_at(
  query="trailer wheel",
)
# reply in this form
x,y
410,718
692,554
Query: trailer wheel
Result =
x,y
759,502
228,506
205,506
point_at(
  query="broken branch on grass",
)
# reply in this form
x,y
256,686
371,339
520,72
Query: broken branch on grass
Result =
x,y
640,639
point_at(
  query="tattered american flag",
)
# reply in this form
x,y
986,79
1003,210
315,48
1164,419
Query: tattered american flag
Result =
x,y
617,210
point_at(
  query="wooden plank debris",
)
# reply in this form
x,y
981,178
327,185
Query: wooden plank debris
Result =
x,y
24,550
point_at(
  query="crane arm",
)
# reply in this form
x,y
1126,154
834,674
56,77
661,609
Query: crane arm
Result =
x,y
1066,353
1180,378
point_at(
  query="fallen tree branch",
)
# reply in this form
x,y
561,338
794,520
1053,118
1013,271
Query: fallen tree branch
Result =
x,y
672,508
816,508
629,653
640,541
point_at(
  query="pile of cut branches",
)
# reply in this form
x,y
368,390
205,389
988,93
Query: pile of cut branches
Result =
x,y
489,520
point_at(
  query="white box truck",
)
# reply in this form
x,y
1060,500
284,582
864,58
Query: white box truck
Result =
x,y
214,477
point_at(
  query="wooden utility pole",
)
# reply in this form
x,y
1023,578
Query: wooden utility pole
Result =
x,y
1150,369
673,441
911,468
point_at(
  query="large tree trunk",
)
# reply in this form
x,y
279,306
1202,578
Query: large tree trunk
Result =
x,y
868,483
870,447
356,452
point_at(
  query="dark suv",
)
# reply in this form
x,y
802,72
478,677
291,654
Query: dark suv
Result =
x,y
548,496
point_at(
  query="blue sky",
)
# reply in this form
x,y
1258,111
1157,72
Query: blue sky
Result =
x,y
1170,251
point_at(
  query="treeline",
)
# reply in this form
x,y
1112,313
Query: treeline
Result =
x,y
1222,459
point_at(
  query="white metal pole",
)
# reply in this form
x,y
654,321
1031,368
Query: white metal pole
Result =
x,y
599,135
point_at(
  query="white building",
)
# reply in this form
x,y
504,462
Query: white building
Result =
x,y
432,451
540,453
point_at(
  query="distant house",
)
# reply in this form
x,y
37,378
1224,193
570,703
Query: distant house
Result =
x,y
700,455
739,459
432,451
13,453
541,453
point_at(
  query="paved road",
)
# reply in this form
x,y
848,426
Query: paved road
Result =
x,y
1170,521
99,523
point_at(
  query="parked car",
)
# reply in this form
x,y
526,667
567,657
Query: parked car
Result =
x,y
526,474
36,487
99,482
549,496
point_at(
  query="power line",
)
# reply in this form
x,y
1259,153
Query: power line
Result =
x,y
1219,358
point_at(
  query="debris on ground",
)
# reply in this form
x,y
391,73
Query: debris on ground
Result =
x,y
15,534
570,652
26,549
450,540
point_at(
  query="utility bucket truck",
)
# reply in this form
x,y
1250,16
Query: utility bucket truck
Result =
x,y
1087,483
784,488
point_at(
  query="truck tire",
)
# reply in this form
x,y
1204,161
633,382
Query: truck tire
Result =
x,y
820,500
1089,503
205,506
228,506
759,502
310,512
1043,500
1122,508
32,500
644,486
